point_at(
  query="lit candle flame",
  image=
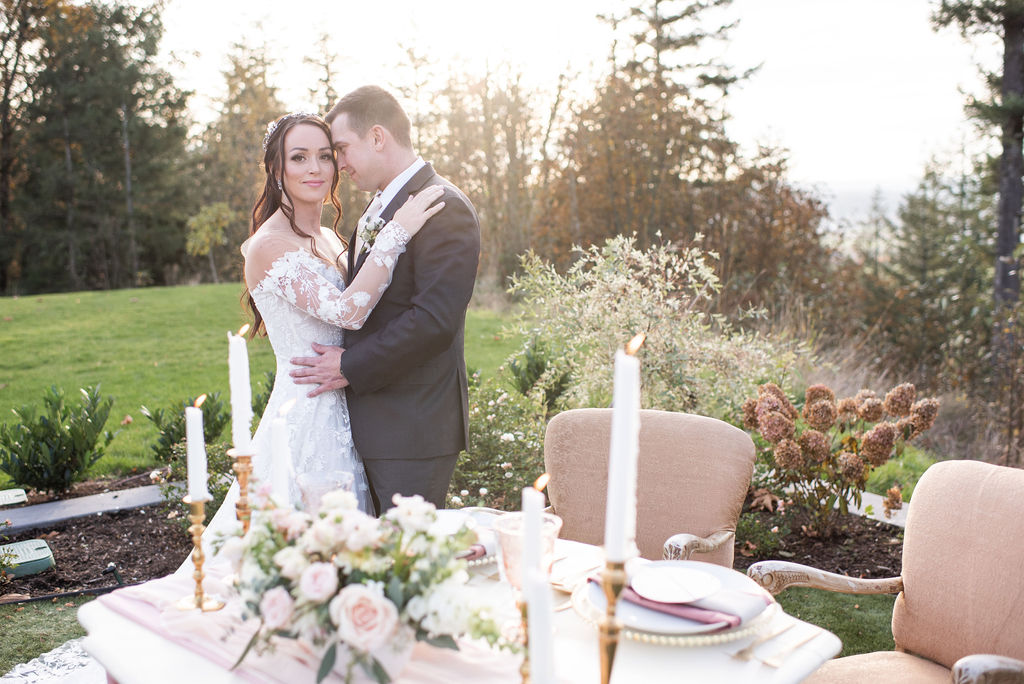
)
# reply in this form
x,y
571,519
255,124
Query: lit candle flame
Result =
x,y
286,407
634,344
200,400
244,329
542,482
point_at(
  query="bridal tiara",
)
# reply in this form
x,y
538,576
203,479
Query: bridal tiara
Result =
x,y
272,126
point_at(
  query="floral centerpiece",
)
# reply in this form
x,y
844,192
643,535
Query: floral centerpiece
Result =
x,y
360,589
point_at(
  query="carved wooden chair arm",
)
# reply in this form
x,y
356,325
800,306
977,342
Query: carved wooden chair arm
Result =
x,y
680,546
988,669
778,575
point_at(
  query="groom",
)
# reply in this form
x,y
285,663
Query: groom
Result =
x,y
404,372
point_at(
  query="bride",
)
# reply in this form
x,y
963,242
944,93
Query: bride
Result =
x,y
295,281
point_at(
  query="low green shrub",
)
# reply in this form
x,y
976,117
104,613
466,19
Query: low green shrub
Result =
x,y
535,370
170,423
506,446
692,359
55,448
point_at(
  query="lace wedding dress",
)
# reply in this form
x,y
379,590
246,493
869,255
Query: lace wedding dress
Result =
x,y
303,300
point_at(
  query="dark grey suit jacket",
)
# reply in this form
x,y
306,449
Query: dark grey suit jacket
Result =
x,y
407,393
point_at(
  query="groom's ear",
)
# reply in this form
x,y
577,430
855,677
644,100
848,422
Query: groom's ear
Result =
x,y
378,134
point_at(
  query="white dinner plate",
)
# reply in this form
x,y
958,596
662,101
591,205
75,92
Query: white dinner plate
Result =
x,y
674,584
642,619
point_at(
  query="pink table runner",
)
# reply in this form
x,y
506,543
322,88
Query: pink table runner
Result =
x,y
221,636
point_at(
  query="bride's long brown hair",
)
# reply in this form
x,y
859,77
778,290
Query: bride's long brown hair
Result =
x,y
273,196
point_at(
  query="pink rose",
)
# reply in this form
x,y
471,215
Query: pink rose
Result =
x,y
365,618
319,582
276,608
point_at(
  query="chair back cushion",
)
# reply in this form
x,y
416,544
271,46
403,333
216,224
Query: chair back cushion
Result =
x,y
963,564
693,475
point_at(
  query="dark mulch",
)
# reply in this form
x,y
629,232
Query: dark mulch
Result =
x,y
861,547
142,543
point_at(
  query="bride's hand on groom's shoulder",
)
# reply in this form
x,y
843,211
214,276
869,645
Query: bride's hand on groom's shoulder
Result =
x,y
417,209
323,370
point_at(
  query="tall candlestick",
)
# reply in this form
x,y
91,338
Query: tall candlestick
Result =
x,y
196,454
620,511
540,630
281,459
241,392
533,506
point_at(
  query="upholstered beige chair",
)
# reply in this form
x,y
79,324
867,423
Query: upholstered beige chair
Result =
x,y
961,590
692,478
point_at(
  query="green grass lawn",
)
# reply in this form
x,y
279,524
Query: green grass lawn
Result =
x,y
152,347
29,629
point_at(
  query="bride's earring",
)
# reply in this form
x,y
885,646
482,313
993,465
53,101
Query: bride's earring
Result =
x,y
279,188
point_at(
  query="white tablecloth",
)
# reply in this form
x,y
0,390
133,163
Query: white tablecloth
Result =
x,y
133,654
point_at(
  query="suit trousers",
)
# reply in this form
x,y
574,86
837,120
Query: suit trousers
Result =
x,y
428,477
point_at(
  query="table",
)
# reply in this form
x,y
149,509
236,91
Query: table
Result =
x,y
132,653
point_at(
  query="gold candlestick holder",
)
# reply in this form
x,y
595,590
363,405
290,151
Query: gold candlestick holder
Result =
x,y
243,468
199,600
613,579
524,669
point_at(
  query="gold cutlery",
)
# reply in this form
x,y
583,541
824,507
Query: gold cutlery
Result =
x,y
747,652
777,659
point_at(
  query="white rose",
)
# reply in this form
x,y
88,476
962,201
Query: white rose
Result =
x,y
318,582
338,499
291,561
276,607
232,551
365,618
363,531
507,437
412,513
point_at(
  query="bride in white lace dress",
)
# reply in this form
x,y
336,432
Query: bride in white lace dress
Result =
x,y
296,290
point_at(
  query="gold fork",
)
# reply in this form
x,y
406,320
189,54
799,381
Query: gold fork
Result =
x,y
747,652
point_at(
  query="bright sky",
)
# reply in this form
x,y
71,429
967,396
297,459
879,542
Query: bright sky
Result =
x,y
862,94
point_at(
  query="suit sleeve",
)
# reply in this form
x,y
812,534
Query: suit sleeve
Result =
x,y
444,257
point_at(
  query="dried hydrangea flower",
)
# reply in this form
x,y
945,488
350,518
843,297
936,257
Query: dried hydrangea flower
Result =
x,y
899,399
821,415
847,409
923,413
864,395
893,500
877,444
750,414
815,445
818,393
773,390
775,427
851,467
871,410
788,454
906,428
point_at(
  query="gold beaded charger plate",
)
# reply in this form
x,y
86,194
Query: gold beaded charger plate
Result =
x,y
651,626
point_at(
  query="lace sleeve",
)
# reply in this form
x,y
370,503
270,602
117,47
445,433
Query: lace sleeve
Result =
x,y
295,276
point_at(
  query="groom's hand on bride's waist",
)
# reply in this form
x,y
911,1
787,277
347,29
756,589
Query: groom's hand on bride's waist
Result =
x,y
323,370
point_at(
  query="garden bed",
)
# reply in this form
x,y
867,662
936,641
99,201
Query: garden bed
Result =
x,y
144,544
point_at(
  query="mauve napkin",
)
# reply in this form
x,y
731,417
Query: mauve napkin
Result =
x,y
731,606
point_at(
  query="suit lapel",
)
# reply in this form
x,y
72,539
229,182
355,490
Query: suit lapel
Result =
x,y
415,183
352,244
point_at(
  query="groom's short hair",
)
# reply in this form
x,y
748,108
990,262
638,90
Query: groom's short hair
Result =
x,y
370,106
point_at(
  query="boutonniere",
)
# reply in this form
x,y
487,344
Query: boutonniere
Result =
x,y
369,232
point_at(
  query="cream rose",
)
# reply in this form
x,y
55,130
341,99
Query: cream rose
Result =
x,y
276,607
365,618
318,582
